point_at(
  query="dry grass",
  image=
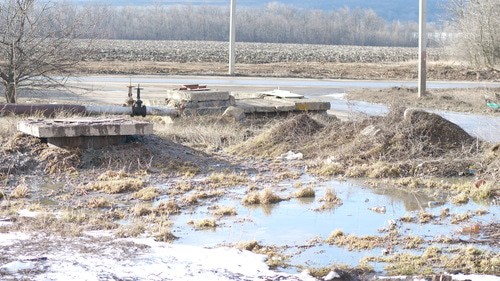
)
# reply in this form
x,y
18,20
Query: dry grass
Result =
x,y
221,211
461,100
266,196
164,235
167,208
279,139
20,191
465,260
351,242
424,217
461,198
377,147
458,218
330,200
218,180
133,230
116,186
206,223
147,193
305,192
113,175
100,202
413,242
140,210
203,132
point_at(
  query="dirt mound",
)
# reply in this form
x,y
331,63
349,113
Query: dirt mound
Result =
x,y
294,129
436,130
285,136
149,153
419,144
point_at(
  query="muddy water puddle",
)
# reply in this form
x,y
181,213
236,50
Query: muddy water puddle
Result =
x,y
298,228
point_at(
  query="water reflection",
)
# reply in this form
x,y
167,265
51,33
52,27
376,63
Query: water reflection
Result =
x,y
295,222
412,201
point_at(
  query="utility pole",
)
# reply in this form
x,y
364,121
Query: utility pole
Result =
x,y
232,35
422,50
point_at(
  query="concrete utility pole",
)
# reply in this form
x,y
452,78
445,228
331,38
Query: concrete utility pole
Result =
x,y
422,50
232,35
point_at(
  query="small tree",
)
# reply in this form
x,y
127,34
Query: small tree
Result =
x,y
477,27
37,42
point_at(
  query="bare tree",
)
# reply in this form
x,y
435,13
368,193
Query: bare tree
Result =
x,y
477,25
37,40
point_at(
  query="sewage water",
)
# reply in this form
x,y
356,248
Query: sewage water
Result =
x,y
298,226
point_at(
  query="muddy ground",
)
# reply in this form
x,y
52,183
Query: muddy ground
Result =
x,y
277,60
441,71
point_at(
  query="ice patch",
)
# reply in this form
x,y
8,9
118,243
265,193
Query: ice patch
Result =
x,y
17,266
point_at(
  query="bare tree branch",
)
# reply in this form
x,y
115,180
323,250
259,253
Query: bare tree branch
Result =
x,y
38,40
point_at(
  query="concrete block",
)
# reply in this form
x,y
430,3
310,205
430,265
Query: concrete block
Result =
x,y
196,96
311,105
236,113
61,128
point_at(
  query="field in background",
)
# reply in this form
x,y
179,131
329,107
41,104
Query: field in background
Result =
x,y
274,60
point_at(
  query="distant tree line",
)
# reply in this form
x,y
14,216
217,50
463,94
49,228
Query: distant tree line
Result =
x,y
274,23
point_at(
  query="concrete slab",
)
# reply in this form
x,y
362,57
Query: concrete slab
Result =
x,y
268,105
265,105
85,133
283,94
197,96
312,105
60,128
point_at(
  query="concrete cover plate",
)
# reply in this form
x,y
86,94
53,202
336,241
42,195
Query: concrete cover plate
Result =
x,y
61,128
283,94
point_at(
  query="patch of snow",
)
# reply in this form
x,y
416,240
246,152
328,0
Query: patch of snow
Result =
x,y
27,213
5,223
11,238
331,275
17,266
290,155
475,277
100,257
99,233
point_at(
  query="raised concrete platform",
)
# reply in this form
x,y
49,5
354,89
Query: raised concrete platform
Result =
x,y
278,101
195,99
85,133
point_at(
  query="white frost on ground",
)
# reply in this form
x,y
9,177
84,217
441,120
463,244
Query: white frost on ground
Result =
x,y
131,259
27,213
11,238
475,277
456,277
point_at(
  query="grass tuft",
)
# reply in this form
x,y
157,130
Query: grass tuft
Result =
x,y
147,193
116,186
306,192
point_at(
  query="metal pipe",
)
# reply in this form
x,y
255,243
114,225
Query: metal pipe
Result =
x,y
39,109
51,109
